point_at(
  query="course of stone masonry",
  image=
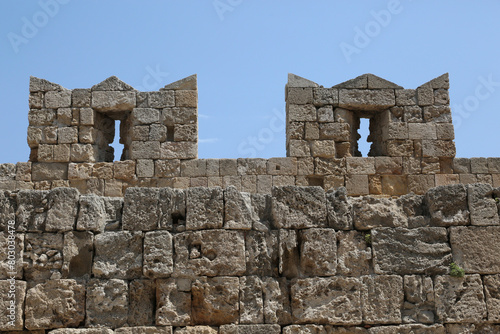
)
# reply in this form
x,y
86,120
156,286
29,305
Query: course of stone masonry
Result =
x,y
70,132
322,241
299,260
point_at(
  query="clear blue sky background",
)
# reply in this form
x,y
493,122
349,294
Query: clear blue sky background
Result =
x,y
242,51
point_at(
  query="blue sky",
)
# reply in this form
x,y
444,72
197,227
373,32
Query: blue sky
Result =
x,y
242,51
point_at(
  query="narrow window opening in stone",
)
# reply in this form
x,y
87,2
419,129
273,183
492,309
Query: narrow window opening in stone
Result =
x,y
364,142
117,142
170,133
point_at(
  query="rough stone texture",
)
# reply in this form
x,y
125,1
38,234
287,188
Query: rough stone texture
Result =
x,y
318,252
334,300
215,300
173,307
56,303
476,249
142,300
382,299
299,207
339,209
419,302
158,254
261,253
371,212
78,252
251,301
12,304
144,330
207,253
460,299
118,255
205,208
423,250
448,205
482,205
196,330
43,256
250,329
92,214
11,255
354,254
107,303
140,209
238,210
492,293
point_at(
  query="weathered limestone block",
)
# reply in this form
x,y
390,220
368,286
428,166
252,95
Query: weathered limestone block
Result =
x,y
118,255
173,307
78,331
92,214
12,304
354,255
289,258
419,303
408,329
238,209
382,298
8,208
142,299
415,209
423,250
448,205
205,207
335,300
250,329
277,308
43,255
482,206
11,254
345,330
304,329
298,207
215,300
144,330
460,299
339,209
78,251
141,116
476,249
172,204
261,251
372,212
140,209
158,254
251,301
318,252
472,329
210,253
114,208
301,113
325,96
363,99
107,303
338,132
56,303
106,101
196,330
492,292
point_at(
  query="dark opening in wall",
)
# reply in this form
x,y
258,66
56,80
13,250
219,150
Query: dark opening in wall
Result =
x,y
364,133
112,133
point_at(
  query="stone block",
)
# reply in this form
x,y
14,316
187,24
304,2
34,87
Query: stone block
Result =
x,y
87,116
361,99
141,209
446,179
12,304
179,115
42,255
460,299
472,328
318,252
161,99
325,114
124,170
145,150
112,101
298,95
438,148
83,153
299,207
264,184
141,116
179,150
422,131
420,184
118,255
205,207
167,168
277,308
461,165
158,254
173,307
238,210
78,252
144,330
334,131
399,250
482,205
299,148
207,253
448,205
301,113
145,168
261,249
325,96
425,96
354,254
323,148
357,165
64,304
492,293
437,114
251,302
282,166
142,303
41,117
186,98
196,330
476,248
250,329
78,331
382,297
67,135
394,185
58,99
406,97
289,258
372,212
310,329
80,98
339,209
215,300
107,303
419,305
36,100
357,185
333,300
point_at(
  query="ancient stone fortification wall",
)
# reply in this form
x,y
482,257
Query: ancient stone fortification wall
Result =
x,y
297,261
70,132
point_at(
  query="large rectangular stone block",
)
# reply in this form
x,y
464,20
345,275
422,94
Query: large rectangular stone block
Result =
x,y
141,210
107,303
365,99
215,300
205,208
400,250
448,205
382,298
482,205
173,305
158,254
106,101
318,252
78,252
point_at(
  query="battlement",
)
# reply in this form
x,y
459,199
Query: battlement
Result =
x,y
411,131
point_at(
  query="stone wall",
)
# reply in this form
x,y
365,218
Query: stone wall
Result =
x,y
412,149
208,260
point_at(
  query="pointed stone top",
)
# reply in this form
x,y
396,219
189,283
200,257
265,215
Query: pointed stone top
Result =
x,y
442,81
112,83
42,85
369,81
189,83
296,81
